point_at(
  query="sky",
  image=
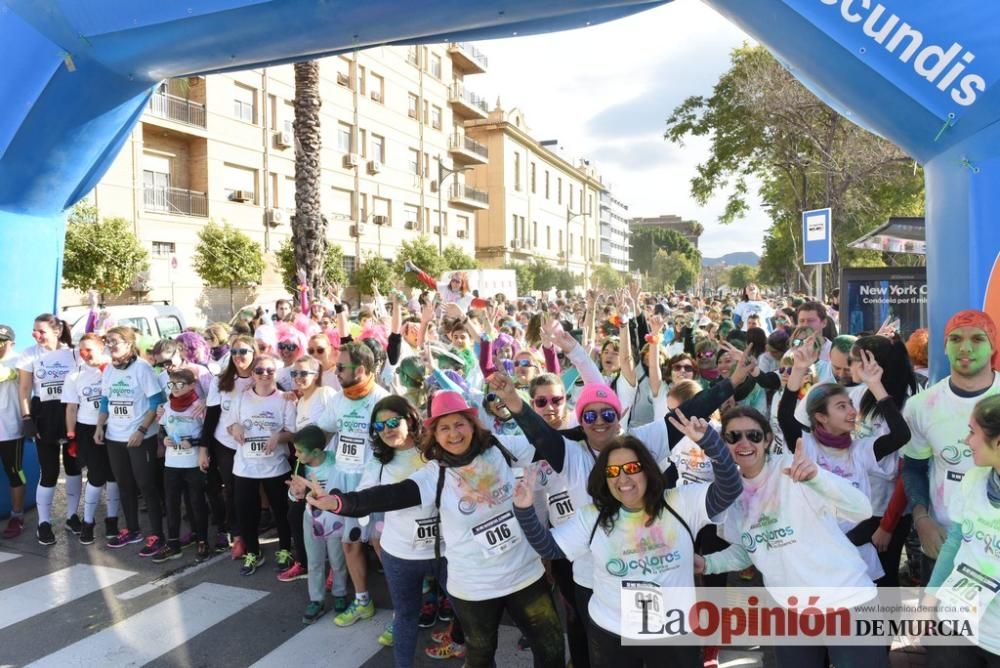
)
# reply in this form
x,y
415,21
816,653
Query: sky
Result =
x,y
605,92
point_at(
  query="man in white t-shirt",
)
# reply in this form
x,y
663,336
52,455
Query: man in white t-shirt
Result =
x,y
11,441
813,315
937,457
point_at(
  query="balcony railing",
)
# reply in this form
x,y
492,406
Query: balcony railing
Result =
x,y
458,93
176,108
460,191
461,142
175,201
477,60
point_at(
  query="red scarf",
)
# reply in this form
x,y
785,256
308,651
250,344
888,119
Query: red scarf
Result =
x,y
360,390
841,442
183,402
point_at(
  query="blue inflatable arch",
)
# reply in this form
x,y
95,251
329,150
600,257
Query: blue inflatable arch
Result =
x,y
76,76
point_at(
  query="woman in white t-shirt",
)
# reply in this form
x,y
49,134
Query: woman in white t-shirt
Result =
x,y
752,304
492,569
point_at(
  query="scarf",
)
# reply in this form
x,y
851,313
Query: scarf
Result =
x,y
218,352
183,402
126,363
464,459
841,442
993,489
360,390
709,374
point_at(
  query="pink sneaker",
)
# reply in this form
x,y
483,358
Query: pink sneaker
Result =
x,y
294,572
238,550
15,525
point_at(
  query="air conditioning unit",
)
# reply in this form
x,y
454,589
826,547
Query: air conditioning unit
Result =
x,y
434,186
410,225
460,234
374,166
437,229
357,230
241,196
284,139
380,220
275,217
350,160
376,96
141,282
344,79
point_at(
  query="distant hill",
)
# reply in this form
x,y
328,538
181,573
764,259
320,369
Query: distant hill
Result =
x,y
731,259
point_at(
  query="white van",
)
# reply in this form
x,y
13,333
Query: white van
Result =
x,y
152,321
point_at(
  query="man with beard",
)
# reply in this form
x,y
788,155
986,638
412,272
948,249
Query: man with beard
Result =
x,y
840,359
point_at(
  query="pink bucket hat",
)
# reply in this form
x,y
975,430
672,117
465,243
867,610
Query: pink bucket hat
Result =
x,y
447,402
597,393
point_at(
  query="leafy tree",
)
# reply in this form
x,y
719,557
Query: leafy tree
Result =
x,y
606,277
673,270
228,258
376,271
647,241
424,255
455,259
333,266
741,276
548,276
103,255
525,277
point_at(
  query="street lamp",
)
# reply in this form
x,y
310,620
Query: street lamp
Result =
x,y
444,173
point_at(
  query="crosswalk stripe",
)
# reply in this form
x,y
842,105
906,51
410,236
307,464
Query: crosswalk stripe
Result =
x,y
156,630
55,589
7,556
161,582
323,643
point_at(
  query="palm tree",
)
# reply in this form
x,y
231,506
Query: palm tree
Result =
x,y
308,223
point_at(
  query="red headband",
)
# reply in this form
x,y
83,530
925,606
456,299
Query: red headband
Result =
x,y
979,320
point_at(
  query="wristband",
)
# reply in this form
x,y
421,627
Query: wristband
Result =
x,y
338,308
142,430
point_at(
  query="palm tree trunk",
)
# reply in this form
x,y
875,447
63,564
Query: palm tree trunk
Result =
x,y
308,224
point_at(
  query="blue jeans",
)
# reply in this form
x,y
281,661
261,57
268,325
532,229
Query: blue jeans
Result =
x,y
405,578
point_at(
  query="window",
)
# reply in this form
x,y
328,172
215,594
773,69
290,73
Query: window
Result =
x,y
427,112
533,170
344,132
156,182
582,252
376,88
546,184
435,66
137,323
342,203
411,216
163,248
382,207
378,148
414,161
287,194
411,55
361,79
244,103
559,189
343,72
560,241
581,204
548,237
363,142
272,111
427,165
273,187
436,117
534,233
570,201
515,227
517,170
350,265
241,180
363,207
169,326
463,226
570,246
413,110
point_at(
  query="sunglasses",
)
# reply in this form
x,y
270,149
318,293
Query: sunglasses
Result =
x,y
628,468
391,423
176,384
319,529
167,364
342,367
708,354
315,351
683,367
240,352
542,402
608,415
288,346
785,371
492,397
752,435
301,373
524,363
264,371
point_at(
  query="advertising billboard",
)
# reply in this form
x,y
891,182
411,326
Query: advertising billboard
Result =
x,y
870,297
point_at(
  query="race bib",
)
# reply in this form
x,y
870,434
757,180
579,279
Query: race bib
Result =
x,y
121,410
52,390
351,450
497,534
255,448
425,531
560,508
969,592
642,605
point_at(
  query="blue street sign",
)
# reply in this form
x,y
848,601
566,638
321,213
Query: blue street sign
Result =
x,y
817,237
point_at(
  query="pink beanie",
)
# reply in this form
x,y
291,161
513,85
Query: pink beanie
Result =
x,y
597,393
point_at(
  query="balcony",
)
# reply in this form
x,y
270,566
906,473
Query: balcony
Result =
x,y
467,151
467,58
466,104
171,107
175,201
468,197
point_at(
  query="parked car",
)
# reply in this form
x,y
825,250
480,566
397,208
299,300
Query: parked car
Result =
x,y
152,321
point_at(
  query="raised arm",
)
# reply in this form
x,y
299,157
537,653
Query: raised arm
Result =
x,y
728,485
548,443
378,499
899,431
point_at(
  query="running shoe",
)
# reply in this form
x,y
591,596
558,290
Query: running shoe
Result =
x,y
74,525
15,525
221,542
449,650
283,560
385,638
428,615
204,551
442,637
87,533
166,553
153,545
711,657
355,611
110,527
313,612
444,612
251,562
238,550
294,572
340,603
125,537
44,534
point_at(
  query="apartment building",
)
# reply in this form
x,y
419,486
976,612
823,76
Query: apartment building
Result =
x,y
614,231
222,148
541,205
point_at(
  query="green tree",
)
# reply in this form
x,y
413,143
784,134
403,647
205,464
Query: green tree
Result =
x,y
424,255
375,272
547,276
103,255
228,258
647,241
455,259
673,270
606,277
525,277
333,267
741,276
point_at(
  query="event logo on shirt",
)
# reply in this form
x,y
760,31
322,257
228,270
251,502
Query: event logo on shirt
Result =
x,y
263,421
354,422
954,454
52,370
468,504
121,390
991,541
657,563
772,538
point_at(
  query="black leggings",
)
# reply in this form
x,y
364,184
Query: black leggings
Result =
x,y
223,458
135,470
48,461
93,456
175,482
576,619
248,504
531,609
12,455
606,649
891,558
296,509
50,420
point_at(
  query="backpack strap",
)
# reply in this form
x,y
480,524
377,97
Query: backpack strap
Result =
x,y
437,507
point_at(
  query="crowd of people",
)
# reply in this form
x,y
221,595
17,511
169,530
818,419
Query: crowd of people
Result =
x,y
500,455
